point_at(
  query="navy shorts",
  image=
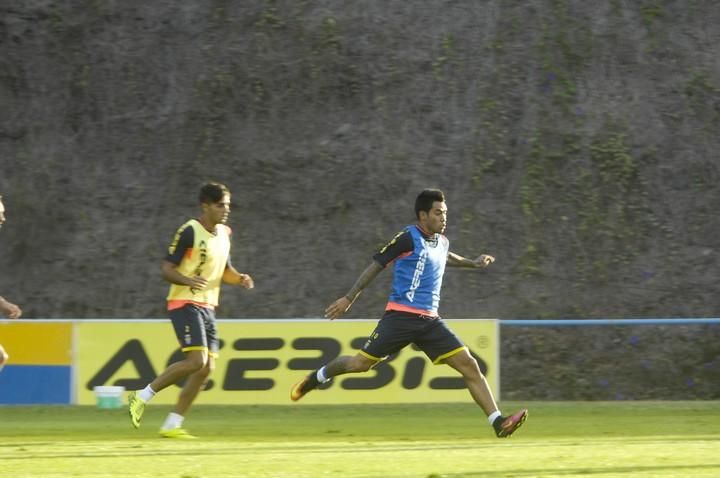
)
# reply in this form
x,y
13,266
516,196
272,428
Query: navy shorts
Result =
x,y
396,330
195,328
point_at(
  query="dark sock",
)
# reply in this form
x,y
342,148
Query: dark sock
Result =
x,y
312,381
496,424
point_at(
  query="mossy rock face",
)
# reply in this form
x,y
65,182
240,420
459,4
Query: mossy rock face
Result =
x,y
576,142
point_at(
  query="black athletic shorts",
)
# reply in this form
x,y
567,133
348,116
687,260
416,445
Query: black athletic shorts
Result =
x,y
398,329
195,328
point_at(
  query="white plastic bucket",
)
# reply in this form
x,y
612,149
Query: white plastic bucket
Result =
x,y
109,396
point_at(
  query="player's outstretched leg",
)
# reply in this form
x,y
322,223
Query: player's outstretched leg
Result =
x,y
337,366
506,426
300,389
136,408
3,357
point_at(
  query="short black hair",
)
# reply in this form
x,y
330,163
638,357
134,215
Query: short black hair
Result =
x,y
212,192
425,200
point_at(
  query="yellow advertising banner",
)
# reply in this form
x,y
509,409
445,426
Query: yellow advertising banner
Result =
x,y
261,360
35,342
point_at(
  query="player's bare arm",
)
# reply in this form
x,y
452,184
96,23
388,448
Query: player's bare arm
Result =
x,y
481,261
9,310
171,274
343,304
233,277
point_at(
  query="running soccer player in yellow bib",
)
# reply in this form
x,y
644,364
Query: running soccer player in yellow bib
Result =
x,y
197,262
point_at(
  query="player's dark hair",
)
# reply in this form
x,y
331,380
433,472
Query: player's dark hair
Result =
x,y
212,192
425,200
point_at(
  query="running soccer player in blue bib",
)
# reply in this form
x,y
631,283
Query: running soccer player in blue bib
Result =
x,y
419,253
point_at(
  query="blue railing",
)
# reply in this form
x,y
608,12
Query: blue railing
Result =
x,y
583,322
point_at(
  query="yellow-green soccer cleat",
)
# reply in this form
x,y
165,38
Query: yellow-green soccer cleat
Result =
x,y
136,408
177,433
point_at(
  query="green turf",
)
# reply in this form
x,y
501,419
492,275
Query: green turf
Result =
x,y
628,439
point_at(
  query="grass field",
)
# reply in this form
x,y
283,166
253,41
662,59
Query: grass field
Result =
x,y
600,439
